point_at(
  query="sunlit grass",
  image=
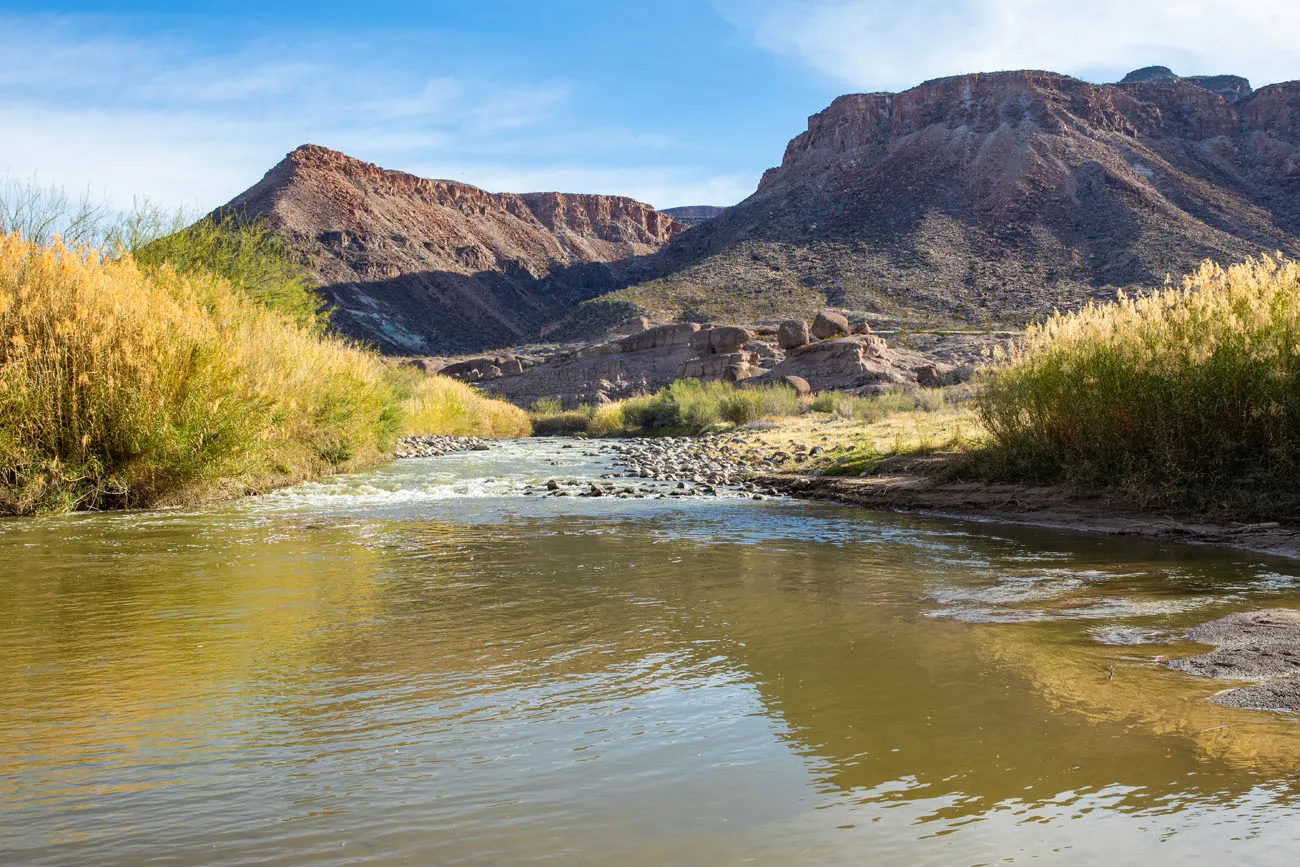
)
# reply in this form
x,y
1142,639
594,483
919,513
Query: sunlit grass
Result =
x,y
1192,389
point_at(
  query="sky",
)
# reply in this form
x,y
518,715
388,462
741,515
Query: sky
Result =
x,y
673,102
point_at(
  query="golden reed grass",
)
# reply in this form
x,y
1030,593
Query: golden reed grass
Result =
x,y
126,386
1194,388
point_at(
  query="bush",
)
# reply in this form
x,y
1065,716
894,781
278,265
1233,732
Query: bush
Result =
x,y
1192,388
742,407
123,386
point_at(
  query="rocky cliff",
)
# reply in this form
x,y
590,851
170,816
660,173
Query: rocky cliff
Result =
x,y
421,266
994,198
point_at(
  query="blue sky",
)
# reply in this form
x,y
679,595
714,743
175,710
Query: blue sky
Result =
x,y
674,102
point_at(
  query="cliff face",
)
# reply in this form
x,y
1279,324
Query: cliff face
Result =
x,y
425,266
997,197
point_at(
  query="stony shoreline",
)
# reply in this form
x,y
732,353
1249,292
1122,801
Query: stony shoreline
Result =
x,y
436,446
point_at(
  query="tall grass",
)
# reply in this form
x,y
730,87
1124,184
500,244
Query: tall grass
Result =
x,y
1195,389
243,250
123,386
444,406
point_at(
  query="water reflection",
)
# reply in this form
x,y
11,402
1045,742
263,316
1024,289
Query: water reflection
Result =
x,y
327,677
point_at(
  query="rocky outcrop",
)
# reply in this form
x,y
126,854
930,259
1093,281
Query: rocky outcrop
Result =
x,y
846,364
419,266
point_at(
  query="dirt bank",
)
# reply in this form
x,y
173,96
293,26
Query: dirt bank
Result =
x,y
1055,507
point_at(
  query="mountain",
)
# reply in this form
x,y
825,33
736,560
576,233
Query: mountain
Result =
x,y
420,266
692,215
994,198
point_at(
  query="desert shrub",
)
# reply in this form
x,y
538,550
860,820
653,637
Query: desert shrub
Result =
x,y
781,401
874,407
547,406
742,407
1195,388
438,405
128,386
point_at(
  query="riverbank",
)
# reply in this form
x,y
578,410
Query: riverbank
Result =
x,y
789,459
1048,506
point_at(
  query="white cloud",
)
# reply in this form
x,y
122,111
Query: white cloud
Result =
x,y
87,104
890,45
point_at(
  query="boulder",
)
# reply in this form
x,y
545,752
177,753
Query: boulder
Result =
x,y
830,324
850,362
511,367
425,365
940,375
635,325
472,369
659,338
731,367
929,376
765,353
861,328
793,333
719,340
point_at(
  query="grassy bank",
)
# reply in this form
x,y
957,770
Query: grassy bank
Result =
x,y
125,385
1189,397
688,407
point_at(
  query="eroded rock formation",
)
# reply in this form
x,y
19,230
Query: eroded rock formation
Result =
x,y
419,266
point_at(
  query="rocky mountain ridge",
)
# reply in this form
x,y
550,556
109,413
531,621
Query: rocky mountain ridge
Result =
x,y
993,198
417,266
982,200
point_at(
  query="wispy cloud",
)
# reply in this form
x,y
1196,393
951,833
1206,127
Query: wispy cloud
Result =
x,y
887,45
89,104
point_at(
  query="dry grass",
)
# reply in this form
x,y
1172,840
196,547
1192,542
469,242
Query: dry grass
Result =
x,y
120,386
444,406
1193,391
128,386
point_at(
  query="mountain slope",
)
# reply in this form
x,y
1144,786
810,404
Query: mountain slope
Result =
x,y
420,266
994,198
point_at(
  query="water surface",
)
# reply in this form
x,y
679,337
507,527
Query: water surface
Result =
x,y
423,665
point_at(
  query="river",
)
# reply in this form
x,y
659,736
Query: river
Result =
x,y
422,665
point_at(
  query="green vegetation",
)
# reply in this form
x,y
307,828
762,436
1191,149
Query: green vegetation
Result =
x,y
194,367
688,407
243,252
1190,396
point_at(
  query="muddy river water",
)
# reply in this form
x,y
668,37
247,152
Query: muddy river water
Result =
x,y
422,665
